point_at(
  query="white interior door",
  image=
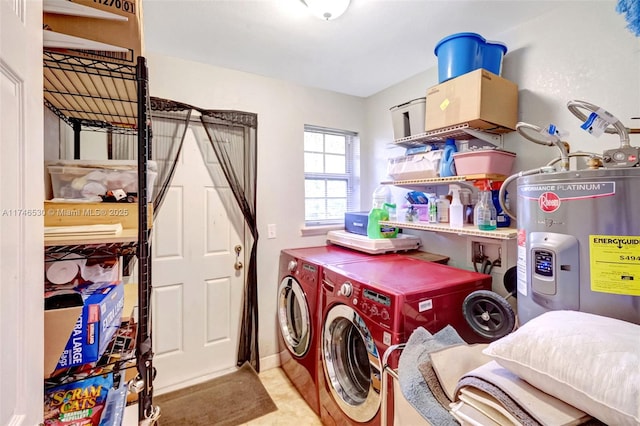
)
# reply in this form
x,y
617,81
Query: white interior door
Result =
x,y
197,292
21,223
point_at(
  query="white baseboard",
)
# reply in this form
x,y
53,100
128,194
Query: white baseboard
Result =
x,y
269,362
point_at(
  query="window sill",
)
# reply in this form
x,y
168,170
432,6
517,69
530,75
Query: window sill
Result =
x,y
311,231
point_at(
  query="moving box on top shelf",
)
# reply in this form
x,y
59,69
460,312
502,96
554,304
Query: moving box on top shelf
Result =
x,y
127,34
480,98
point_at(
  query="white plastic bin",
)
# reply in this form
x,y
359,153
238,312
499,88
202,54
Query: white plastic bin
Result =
x,y
417,166
409,118
88,180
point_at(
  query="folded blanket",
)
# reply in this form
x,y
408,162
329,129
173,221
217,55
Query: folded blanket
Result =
x,y
529,405
452,363
431,379
487,405
494,397
413,385
469,415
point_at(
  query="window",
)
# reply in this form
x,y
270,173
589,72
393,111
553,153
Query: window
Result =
x,y
329,160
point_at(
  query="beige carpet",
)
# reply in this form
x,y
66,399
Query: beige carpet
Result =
x,y
229,400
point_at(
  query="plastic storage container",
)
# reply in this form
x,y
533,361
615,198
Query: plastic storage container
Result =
x,y
416,166
459,54
408,118
423,211
88,180
484,161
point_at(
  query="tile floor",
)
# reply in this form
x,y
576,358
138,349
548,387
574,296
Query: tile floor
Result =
x,y
292,408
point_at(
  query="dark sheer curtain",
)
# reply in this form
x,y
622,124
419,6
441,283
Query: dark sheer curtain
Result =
x,y
232,136
229,138
169,122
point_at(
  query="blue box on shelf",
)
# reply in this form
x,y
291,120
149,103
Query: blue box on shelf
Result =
x,y
96,325
356,222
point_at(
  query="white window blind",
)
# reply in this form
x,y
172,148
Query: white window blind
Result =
x,y
329,164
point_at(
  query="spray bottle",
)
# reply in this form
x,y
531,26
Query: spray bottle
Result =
x,y
380,212
456,209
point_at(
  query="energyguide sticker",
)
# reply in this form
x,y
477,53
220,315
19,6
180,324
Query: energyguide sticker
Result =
x,y
615,264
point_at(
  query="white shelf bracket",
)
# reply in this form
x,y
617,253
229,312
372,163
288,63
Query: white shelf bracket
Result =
x,y
496,140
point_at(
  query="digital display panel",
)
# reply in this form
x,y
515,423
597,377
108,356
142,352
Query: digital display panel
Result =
x,y
377,297
543,263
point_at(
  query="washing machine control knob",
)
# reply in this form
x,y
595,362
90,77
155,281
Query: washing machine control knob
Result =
x,y
373,311
384,315
346,289
292,265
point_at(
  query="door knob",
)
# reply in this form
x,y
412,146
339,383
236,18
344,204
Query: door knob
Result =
x,y
238,265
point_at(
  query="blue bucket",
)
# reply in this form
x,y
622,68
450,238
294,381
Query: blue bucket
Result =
x,y
492,54
459,54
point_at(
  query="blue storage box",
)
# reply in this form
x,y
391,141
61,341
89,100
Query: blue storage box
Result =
x,y
356,222
96,325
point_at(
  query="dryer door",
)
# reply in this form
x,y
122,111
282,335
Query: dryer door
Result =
x,y
293,316
351,363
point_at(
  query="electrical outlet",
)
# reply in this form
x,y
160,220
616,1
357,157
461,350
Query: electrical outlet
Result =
x,y
271,230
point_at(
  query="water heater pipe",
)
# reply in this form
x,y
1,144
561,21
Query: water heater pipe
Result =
x,y
503,189
618,127
549,140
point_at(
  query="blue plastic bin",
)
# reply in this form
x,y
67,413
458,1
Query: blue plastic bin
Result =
x,y
492,55
459,54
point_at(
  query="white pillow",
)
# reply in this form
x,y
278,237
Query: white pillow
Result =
x,y
588,361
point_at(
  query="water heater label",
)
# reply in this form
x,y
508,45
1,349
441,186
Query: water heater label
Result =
x,y
615,264
550,196
522,270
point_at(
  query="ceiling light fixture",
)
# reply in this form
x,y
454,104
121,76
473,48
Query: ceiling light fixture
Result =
x,y
327,9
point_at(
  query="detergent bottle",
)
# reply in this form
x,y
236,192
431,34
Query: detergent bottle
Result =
x,y
456,209
447,167
502,219
380,212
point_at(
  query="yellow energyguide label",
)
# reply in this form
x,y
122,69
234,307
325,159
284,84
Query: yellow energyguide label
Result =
x,y
444,104
615,264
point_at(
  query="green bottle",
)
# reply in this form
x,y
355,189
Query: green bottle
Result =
x,y
374,229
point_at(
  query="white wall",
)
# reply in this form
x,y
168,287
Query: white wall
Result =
x,y
283,109
576,51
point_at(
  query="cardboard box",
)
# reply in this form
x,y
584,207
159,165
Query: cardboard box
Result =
x,y
84,339
356,222
80,402
127,34
58,324
80,213
480,98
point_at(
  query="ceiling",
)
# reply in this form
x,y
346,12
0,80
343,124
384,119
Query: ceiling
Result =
x,y
374,45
